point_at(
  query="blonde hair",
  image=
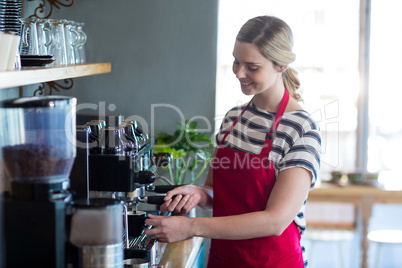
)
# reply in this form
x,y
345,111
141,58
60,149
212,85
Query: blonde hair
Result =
x,y
274,39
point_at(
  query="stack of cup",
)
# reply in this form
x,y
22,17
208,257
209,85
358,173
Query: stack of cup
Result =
x,y
10,13
61,38
9,55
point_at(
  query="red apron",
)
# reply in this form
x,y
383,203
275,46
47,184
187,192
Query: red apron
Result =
x,y
242,183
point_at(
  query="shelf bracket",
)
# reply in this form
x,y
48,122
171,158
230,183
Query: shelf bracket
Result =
x,y
54,86
42,8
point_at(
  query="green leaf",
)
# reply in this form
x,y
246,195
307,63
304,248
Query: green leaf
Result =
x,y
191,150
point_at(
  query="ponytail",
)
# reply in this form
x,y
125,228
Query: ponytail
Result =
x,y
292,83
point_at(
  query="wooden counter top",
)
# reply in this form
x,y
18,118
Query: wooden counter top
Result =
x,y
181,254
354,193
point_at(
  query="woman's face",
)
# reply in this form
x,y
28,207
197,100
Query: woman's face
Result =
x,y
256,73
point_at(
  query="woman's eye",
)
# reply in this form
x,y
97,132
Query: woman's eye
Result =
x,y
253,69
236,62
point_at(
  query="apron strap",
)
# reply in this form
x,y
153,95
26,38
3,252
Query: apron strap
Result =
x,y
266,149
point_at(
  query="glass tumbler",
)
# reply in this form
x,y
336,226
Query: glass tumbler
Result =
x,y
80,48
44,36
29,37
72,41
58,46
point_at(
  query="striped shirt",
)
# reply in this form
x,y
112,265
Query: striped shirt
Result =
x,y
297,142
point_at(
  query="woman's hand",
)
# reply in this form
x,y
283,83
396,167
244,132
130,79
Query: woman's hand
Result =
x,y
182,199
168,229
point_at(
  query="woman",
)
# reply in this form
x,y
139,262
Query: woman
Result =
x,y
265,164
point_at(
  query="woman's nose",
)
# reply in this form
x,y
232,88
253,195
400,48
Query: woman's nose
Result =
x,y
239,71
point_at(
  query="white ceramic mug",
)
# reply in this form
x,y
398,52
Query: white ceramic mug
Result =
x,y
14,60
8,51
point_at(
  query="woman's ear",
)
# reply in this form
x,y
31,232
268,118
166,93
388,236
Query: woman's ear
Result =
x,y
281,68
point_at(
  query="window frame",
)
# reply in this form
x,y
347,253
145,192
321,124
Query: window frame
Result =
x,y
363,99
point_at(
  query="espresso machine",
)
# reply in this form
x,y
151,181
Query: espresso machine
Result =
x,y
73,192
117,162
38,154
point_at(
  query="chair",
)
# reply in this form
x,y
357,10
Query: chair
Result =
x,y
384,238
329,222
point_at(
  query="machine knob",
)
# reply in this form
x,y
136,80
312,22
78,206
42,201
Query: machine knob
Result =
x,y
144,177
161,159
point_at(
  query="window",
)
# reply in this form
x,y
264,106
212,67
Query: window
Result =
x,y
327,42
385,129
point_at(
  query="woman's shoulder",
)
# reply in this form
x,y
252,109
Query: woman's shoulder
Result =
x,y
303,118
236,110
239,107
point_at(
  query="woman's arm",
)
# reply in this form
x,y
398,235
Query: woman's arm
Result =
x,y
287,196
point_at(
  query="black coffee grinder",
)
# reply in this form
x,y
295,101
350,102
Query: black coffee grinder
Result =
x,y
38,154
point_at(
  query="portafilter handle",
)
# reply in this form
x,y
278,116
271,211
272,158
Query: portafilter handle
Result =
x,y
154,200
161,188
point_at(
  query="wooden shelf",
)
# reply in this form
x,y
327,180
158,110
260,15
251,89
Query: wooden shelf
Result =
x,y
36,75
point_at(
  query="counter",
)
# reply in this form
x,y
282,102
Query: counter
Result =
x,y
184,254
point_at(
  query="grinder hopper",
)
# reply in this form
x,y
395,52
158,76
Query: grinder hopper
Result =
x,y
38,138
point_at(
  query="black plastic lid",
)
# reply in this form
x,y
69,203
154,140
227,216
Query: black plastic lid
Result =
x,y
33,102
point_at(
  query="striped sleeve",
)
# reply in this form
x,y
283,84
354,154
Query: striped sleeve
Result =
x,y
305,153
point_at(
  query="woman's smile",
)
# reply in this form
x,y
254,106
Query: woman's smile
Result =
x,y
246,85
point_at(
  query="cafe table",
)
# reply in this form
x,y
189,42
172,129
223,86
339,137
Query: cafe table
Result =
x,y
363,197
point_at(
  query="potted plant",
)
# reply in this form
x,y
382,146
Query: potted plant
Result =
x,y
191,152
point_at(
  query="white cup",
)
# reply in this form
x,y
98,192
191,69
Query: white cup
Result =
x,y
9,44
5,46
14,61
